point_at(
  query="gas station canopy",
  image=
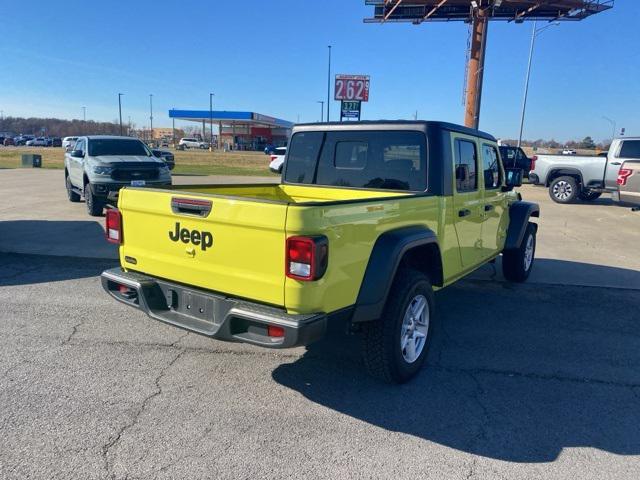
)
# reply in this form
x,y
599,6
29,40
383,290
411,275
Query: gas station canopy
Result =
x,y
229,118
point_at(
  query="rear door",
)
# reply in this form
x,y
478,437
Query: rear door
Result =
x,y
627,150
467,199
494,226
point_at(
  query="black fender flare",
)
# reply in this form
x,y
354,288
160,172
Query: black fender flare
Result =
x,y
519,214
563,171
386,255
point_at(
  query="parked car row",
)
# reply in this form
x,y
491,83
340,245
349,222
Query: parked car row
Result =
x,y
31,141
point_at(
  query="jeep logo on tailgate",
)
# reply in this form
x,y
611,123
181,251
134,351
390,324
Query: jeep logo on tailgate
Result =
x,y
184,235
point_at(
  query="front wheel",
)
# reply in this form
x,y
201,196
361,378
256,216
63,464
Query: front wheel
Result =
x,y
95,206
517,263
72,195
396,345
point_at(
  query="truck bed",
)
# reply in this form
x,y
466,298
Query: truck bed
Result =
x,y
237,246
288,194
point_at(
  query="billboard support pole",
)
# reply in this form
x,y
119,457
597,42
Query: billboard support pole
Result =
x,y
476,69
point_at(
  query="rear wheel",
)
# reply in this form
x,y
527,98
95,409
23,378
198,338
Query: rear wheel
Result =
x,y
95,205
517,264
589,195
72,195
395,346
564,189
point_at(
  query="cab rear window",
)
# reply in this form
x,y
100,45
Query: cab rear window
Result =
x,y
391,160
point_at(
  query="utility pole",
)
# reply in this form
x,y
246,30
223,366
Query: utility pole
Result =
x,y
84,114
534,33
321,102
614,125
329,86
211,95
151,116
120,110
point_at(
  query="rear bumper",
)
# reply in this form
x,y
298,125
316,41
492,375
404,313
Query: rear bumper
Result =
x,y
212,315
533,178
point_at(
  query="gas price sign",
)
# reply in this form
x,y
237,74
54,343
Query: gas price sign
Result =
x,y
352,88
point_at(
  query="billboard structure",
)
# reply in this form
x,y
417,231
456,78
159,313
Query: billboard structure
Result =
x,y
478,13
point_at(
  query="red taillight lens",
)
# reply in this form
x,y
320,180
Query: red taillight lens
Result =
x,y
114,226
274,331
306,257
623,176
534,159
273,157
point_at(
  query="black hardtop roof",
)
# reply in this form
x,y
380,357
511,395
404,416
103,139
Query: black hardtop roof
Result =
x,y
378,123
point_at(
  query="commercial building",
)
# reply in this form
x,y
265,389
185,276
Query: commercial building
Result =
x,y
239,130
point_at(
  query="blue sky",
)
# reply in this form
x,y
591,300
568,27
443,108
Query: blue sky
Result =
x,y
270,57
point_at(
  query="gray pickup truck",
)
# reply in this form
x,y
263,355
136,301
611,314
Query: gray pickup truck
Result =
x,y
99,166
573,177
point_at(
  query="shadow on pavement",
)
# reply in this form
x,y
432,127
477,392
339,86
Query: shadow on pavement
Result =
x,y
72,238
515,373
20,269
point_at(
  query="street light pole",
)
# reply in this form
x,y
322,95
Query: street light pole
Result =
x,y
613,124
534,34
321,102
329,86
151,116
120,110
84,114
211,95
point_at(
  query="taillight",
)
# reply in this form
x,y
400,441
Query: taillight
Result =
x,y
306,257
273,157
623,175
534,159
114,226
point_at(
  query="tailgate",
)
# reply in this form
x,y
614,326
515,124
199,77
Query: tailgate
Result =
x,y
229,245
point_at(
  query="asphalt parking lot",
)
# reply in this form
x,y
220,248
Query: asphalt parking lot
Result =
x,y
540,380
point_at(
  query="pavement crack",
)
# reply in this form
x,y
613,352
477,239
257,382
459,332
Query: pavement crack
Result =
x,y
535,376
106,448
73,332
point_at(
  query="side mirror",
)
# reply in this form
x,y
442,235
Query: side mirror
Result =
x,y
77,153
514,179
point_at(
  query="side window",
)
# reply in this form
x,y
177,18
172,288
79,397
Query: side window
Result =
x,y
630,149
490,167
80,145
351,155
466,167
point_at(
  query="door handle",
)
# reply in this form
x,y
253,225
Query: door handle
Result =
x,y
616,163
488,208
464,213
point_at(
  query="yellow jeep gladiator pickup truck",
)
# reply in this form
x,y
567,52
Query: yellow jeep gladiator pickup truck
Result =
x,y
368,219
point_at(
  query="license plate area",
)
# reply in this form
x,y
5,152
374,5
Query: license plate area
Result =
x,y
190,303
138,183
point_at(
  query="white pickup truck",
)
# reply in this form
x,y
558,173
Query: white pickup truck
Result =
x,y
573,177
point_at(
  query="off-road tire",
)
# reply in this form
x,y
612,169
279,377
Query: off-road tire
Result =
x,y
589,195
564,189
514,266
72,195
95,206
382,351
